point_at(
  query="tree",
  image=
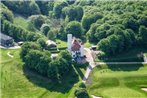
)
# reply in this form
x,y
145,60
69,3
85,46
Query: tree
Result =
x,y
19,33
113,40
129,38
45,29
42,42
74,28
52,71
38,60
43,63
51,35
131,23
6,13
34,8
32,59
58,8
67,56
31,36
88,20
25,8
25,48
45,6
74,13
143,34
143,20
38,20
91,33
104,45
63,67
81,93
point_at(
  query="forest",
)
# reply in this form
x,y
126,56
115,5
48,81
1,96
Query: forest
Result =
x,y
114,26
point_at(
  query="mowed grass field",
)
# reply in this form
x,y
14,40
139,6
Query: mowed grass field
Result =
x,y
20,82
119,81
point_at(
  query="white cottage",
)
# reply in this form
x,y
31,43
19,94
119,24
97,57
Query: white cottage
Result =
x,y
75,46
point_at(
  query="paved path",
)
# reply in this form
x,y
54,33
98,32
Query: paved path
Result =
x,y
15,47
9,55
103,63
91,64
95,96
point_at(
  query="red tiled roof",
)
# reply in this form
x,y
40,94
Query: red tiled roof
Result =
x,y
75,46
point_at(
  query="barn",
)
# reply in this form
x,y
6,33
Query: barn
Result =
x,y
6,40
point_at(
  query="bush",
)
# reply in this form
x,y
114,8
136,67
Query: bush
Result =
x,y
45,29
81,93
52,35
82,85
38,20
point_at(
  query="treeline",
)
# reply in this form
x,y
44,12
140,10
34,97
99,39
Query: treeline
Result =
x,y
18,33
6,14
40,60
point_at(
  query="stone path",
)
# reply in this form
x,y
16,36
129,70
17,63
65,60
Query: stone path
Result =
x,y
95,96
144,89
103,63
10,55
91,64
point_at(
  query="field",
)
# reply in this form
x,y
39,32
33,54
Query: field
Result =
x,y
119,81
19,82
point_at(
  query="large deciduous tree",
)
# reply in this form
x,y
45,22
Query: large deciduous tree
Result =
x,y
74,28
143,34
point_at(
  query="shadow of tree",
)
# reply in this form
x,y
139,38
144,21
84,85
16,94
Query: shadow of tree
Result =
x,y
124,67
63,86
78,68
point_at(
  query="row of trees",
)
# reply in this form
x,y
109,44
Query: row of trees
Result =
x,y
6,14
40,60
18,33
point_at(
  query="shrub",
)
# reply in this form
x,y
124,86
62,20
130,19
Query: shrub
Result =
x,y
81,93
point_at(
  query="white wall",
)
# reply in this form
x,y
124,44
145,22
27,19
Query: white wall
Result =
x,y
69,41
82,50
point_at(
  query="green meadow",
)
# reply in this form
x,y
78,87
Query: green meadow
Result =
x,y
19,82
119,81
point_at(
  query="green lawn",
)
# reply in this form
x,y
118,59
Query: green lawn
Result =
x,y
87,44
119,81
61,44
132,55
18,20
19,82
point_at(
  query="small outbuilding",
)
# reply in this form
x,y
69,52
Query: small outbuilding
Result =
x,y
6,40
51,44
